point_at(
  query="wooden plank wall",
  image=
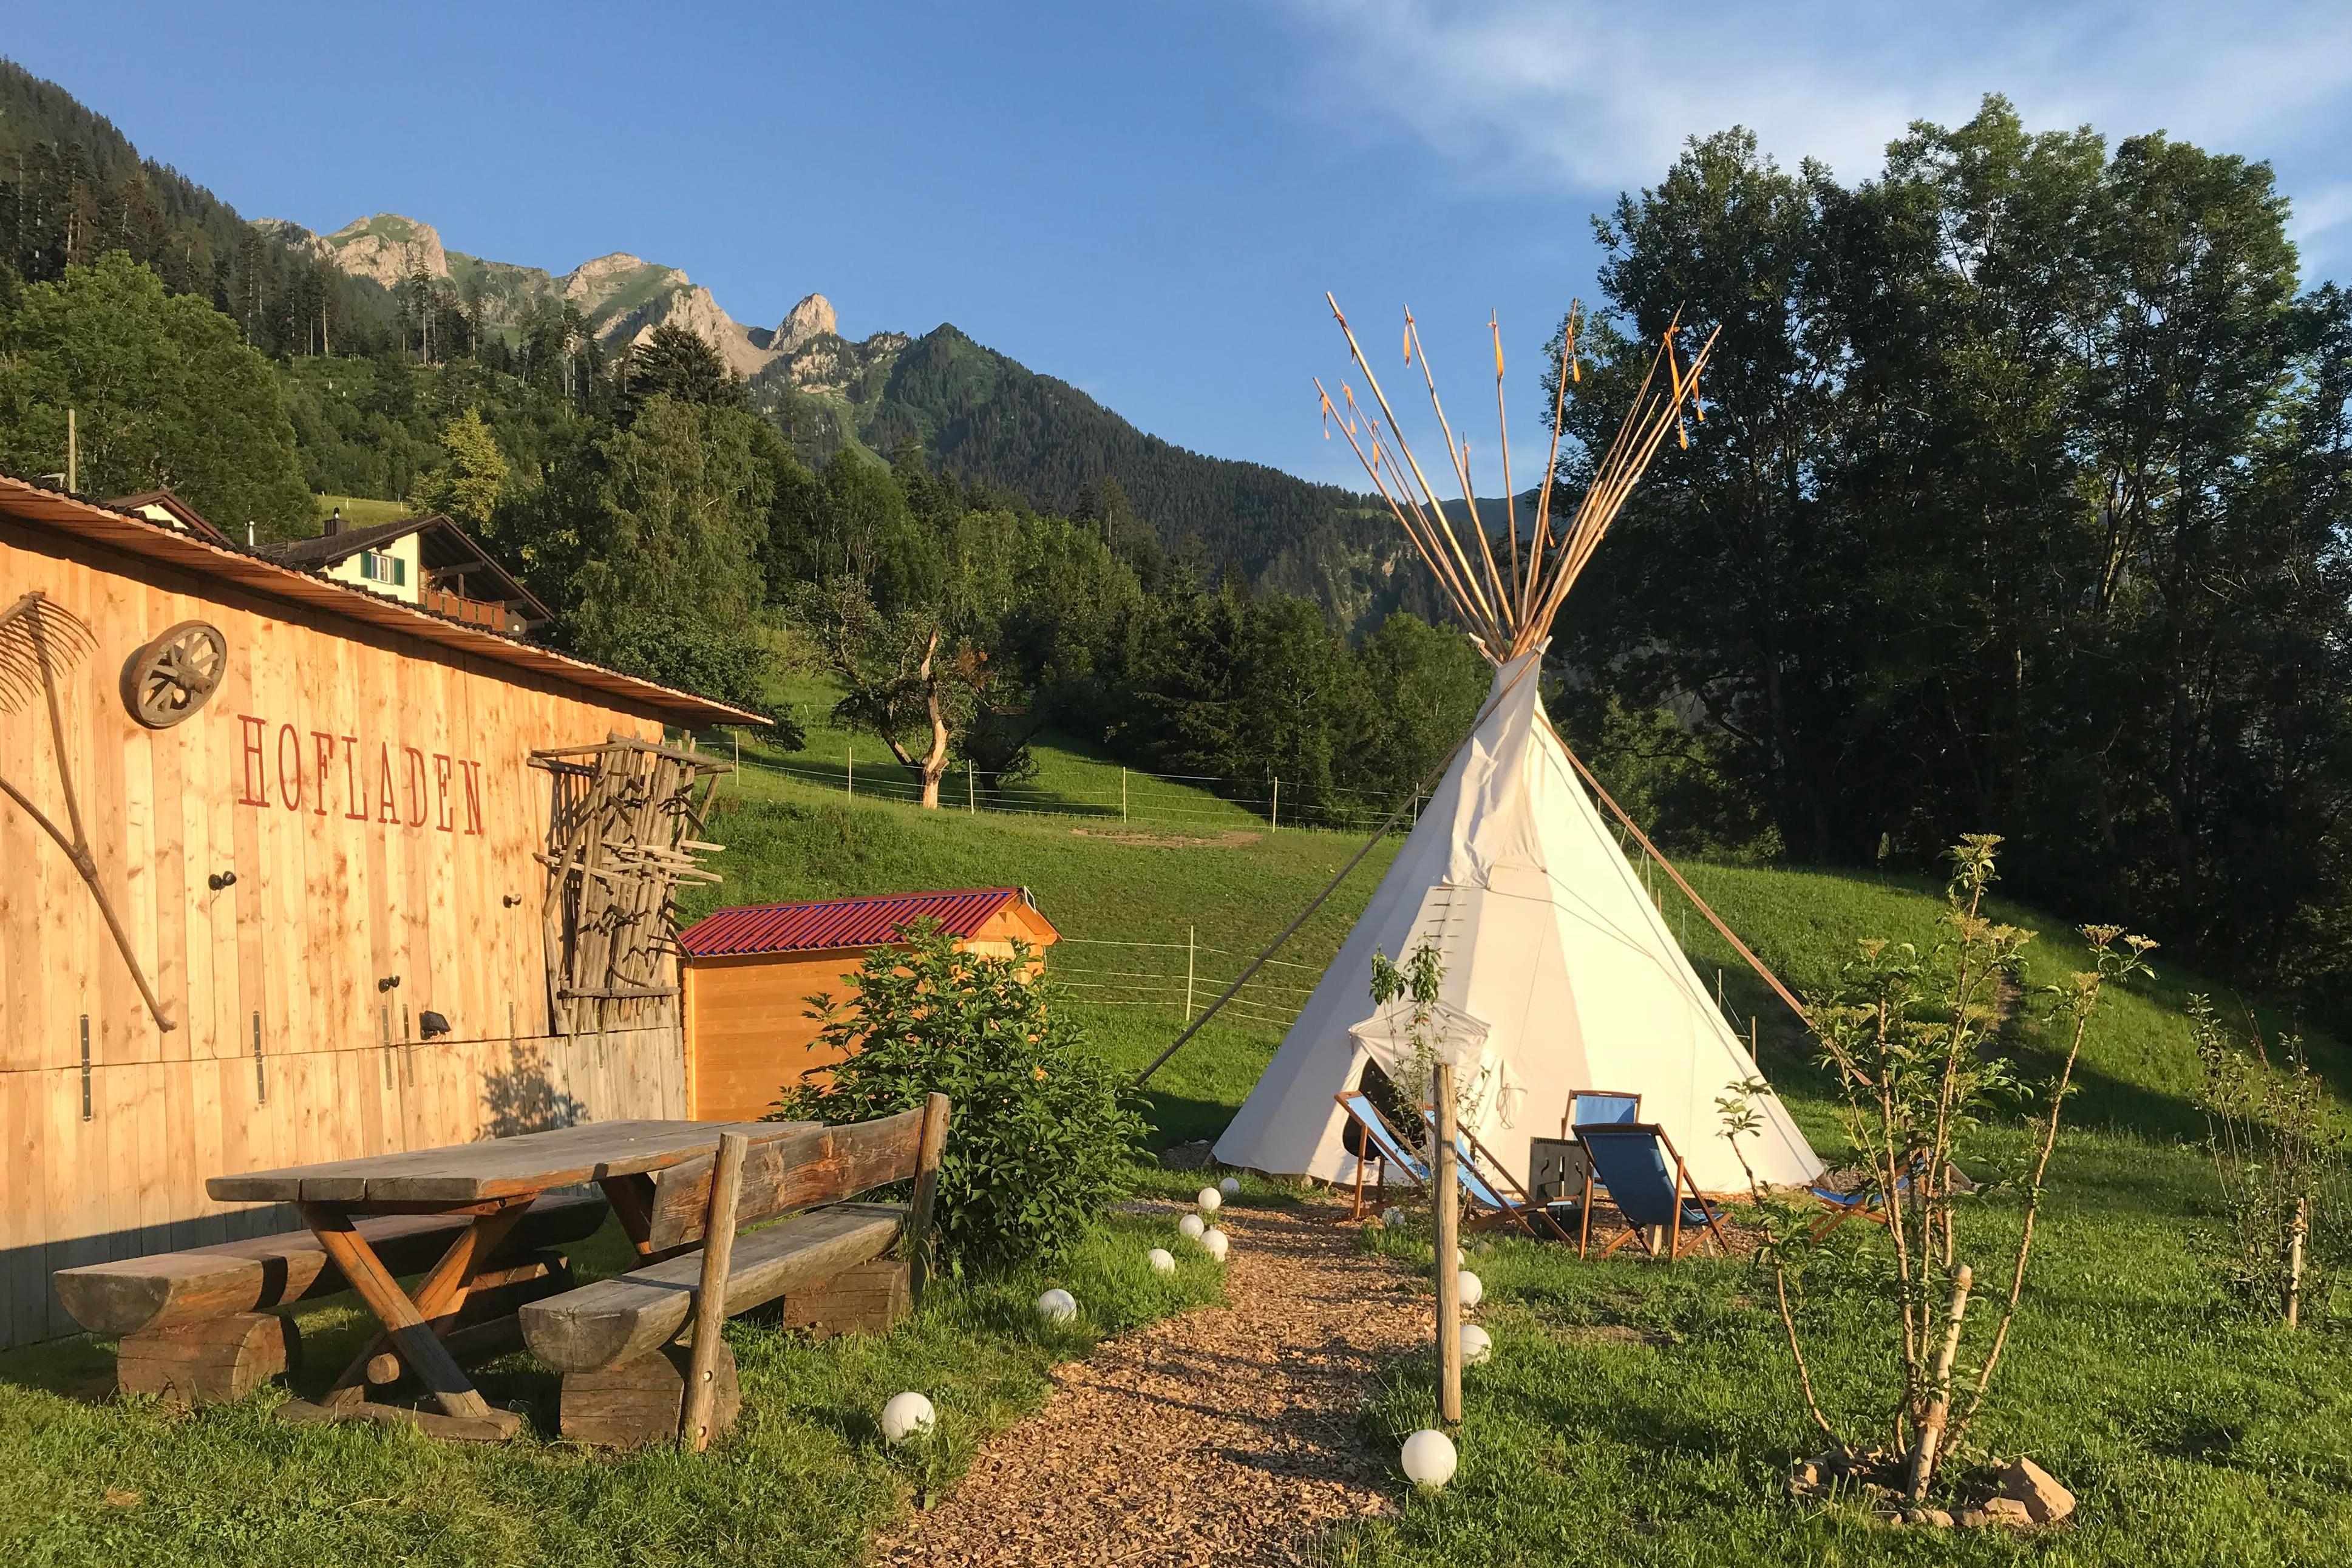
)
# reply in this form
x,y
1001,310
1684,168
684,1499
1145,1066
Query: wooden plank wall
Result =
x,y
748,1032
371,793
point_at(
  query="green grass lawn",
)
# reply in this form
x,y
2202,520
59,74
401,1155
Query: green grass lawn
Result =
x,y
1642,1414
1634,1413
805,1479
1638,1415
363,512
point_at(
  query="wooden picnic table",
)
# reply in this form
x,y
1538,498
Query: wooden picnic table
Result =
x,y
494,1182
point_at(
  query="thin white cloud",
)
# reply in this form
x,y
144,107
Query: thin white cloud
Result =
x,y
1574,95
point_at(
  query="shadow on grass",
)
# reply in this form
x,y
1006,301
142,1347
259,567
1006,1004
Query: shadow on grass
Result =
x,y
1180,1119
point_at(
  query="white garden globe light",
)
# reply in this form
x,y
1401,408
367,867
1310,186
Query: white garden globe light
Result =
x,y
1477,1345
1474,1290
1429,1459
1190,1226
907,1415
1162,1261
1209,1200
1057,1306
1215,1240
1231,1187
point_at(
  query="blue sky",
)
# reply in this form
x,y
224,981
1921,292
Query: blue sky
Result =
x,y
1144,197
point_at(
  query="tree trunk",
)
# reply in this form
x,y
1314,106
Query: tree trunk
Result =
x,y
936,764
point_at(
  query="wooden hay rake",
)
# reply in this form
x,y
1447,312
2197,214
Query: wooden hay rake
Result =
x,y
39,640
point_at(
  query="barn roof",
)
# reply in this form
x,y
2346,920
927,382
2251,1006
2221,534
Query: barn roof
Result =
x,y
35,505
870,922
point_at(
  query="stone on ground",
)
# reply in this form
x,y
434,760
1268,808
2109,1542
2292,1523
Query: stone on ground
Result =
x,y
2045,1501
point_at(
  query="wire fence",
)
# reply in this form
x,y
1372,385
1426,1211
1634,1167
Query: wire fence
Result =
x,y
1180,979
1136,796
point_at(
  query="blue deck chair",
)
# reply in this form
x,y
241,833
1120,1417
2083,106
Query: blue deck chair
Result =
x,y
1602,1106
1489,1188
1647,1180
1864,1204
1382,1143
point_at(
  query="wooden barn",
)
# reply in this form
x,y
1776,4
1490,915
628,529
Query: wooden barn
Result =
x,y
750,972
291,870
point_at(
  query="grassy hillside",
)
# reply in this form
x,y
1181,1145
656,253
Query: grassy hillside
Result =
x,y
365,512
1186,858
1124,894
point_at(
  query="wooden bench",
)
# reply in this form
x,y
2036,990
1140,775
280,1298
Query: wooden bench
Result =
x,y
195,1326
831,1264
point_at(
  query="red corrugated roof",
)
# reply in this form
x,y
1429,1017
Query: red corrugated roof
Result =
x,y
841,922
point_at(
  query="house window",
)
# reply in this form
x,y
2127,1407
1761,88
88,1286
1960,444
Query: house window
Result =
x,y
389,569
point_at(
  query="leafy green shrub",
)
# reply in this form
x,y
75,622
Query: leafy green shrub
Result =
x,y
2282,1166
1043,1137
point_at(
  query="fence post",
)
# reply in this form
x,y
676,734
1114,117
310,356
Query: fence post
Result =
x,y
1122,810
1275,821
1416,808
737,735
1447,1197
1188,974
970,791
852,770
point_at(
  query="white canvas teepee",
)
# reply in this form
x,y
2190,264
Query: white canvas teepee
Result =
x,y
1556,963
1551,942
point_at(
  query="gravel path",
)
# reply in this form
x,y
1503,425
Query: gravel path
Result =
x,y
1225,1436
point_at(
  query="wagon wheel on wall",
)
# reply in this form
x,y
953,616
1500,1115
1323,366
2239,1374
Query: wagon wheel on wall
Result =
x,y
172,676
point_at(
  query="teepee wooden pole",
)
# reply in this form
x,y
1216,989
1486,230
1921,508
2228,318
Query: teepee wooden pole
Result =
x,y
1372,380
1726,932
1503,436
1462,474
1428,548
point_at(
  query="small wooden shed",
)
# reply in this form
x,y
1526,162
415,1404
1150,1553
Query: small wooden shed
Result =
x,y
750,971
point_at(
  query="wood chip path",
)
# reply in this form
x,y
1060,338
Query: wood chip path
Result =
x,y
1228,1436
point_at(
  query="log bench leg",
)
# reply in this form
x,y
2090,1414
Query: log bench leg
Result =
x,y
210,1363
870,1297
641,1402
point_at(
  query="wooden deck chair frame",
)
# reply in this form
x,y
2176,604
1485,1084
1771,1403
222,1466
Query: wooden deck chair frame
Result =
x,y
1517,1205
1860,1205
1863,1205
1378,1136
1568,1114
1674,1226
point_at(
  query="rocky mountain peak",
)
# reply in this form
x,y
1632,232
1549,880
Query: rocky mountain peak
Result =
x,y
386,248
812,317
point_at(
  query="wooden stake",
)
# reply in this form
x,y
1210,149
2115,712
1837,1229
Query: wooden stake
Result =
x,y
1448,1204
2295,1261
710,1296
930,1144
